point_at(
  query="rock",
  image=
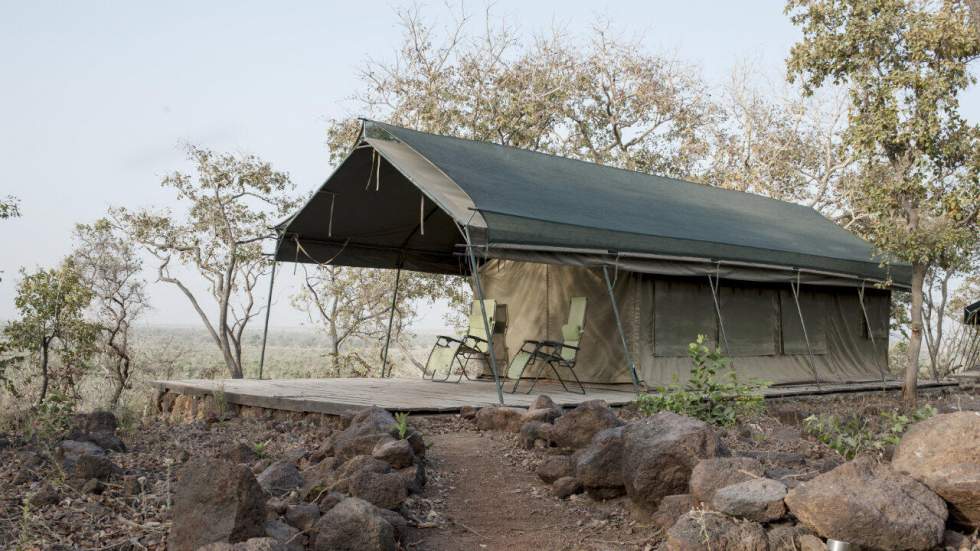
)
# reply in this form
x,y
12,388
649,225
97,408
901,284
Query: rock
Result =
x,y
547,415
104,440
303,515
417,441
239,452
367,428
943,453
600,465
605,493
362,463
468,412
69,452
329,500
288,537
533,432
542,401
710,475
567,486
92,467
670,509
215,501
396,521
576,428
354,525
709,531
386,490
254,544
760,500
96,421
295,455
660,452
45,494
809,542
554,467
92,486
869,504
500,418
955,540
397,453
413,477
280,478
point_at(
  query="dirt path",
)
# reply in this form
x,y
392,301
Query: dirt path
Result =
x,y
486,498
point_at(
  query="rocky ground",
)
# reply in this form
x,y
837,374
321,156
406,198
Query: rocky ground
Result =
x,y
496,479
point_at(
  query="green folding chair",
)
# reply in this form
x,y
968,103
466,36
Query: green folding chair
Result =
x,y
449,352
555,354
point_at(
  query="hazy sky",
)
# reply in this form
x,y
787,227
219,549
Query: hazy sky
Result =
x,y
95,97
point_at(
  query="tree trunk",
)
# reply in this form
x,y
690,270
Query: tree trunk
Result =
x,y
44,370
915,339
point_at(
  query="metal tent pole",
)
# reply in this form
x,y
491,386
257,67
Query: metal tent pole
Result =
x,y
619,326
483,309
715,284
268,310
871,335
806,336
391,319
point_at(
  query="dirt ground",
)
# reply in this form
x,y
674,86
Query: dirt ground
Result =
x,y
482,492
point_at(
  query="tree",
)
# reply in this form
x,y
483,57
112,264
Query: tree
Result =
x,y
9,207
354,305
232,205
111,268
904,63
51,305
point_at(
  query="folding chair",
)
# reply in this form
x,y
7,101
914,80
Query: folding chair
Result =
x,y
556,354
448,352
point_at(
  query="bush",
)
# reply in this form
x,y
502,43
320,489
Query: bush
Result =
x,y
706,396
853,435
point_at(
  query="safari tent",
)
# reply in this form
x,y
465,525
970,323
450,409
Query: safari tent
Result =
x,y
789,295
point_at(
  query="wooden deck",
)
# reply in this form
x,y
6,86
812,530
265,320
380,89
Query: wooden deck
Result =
x,y
343,396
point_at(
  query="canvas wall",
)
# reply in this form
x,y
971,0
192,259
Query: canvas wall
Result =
x,y
662,314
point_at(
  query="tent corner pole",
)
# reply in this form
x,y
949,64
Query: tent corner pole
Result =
x,y
268,311
475,273
391,319
622,334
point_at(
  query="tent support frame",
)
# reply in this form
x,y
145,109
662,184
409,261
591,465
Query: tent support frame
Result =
x,y
391,319
478,287
268,311
715,283
806,336
622,334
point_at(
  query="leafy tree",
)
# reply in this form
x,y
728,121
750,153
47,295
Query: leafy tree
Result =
x,y
111,268
232,204
51,305
9,207
904,63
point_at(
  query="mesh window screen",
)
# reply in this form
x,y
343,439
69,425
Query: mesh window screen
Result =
x,y
751,318
683,310
813,305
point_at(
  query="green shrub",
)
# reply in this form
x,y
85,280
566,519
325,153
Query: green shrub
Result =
x,y
401,423
854,435
707,395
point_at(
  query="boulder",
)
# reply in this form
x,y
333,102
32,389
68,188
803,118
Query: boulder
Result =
x,y
576,428
943,453
239,452
670,509
83,460
354,525
567,486
417,441
254,544
710,475
760,500
785,536
291,539
369,427
45,494
385,490
709,531
413,477
396,520
601,493
96,421
397,453
554,467
280,478
660,452
546,415
600,465
215,501
500,418
542,401
535,432
468,412
302,515
868,504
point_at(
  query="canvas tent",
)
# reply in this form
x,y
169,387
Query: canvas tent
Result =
x,y
787,293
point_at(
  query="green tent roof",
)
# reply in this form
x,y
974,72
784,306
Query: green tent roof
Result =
x,y
514,199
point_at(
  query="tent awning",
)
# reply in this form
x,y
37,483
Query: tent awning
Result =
x,y
415,200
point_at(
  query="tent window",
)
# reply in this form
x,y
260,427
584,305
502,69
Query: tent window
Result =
x,y
751,317
814,310
682,311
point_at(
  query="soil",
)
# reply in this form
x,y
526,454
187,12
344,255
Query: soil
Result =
x,y
482,492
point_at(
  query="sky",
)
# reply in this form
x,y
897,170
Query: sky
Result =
x,y
97,97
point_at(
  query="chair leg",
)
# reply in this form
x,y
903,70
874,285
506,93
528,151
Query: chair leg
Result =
x,y
521,374
577,381
554,367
